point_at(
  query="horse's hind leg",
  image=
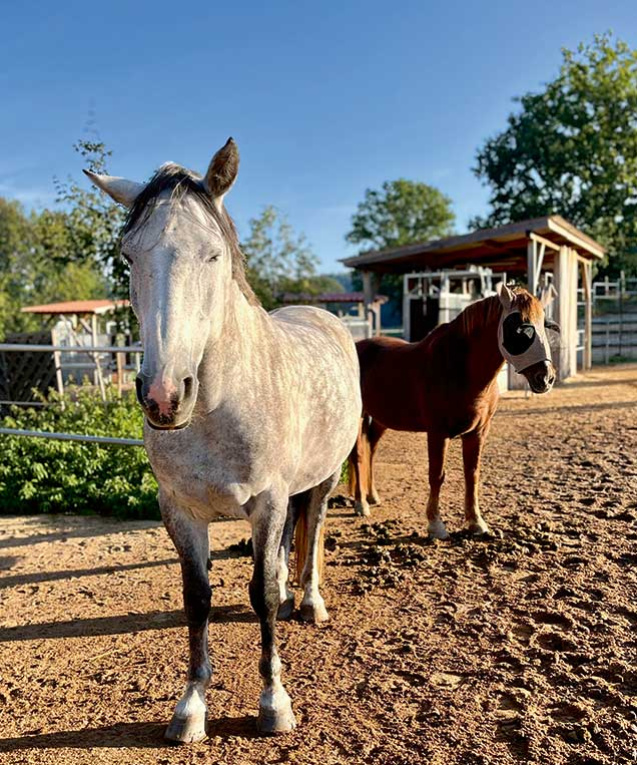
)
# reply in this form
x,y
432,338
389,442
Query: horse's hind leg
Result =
x,y
286,594
437,448
471,450
375,433
313,606
359,462
190,537
268,516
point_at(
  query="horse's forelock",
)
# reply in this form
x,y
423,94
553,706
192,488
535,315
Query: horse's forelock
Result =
x,y
181,182
529,306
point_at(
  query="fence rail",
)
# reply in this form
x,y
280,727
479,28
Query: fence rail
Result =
x,y
111,441
71,348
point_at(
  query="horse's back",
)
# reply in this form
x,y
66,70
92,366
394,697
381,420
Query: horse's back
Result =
x,y
391,374
314,322
325,397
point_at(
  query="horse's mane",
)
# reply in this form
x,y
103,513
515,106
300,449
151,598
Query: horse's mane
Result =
x,y
476,316
181,182
483,312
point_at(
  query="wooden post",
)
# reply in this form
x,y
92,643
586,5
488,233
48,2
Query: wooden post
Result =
x,y
94,344
97,375
120,373
531,275
566,311
586,270
57,362
368,296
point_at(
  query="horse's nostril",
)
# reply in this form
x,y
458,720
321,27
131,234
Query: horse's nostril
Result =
x,y
188,386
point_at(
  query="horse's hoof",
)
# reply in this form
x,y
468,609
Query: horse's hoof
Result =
x,y
313,612
273,722
478,528
286,609
362,509
437,530
186,730
374,499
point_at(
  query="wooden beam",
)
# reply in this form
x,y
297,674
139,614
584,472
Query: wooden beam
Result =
x,y
543,240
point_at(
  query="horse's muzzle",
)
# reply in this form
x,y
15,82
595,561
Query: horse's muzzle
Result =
x,y
167,401
540,376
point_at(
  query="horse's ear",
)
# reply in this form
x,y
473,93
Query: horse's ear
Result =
x,y
222,171
505,294
122,191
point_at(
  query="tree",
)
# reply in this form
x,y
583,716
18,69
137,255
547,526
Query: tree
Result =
x,y
278,260
94,221
36,265
402,212
571,150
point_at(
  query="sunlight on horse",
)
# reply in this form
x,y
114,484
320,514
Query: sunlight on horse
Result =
x,y
248,414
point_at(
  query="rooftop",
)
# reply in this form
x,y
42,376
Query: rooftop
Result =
x,y
331,297
77,307
502,248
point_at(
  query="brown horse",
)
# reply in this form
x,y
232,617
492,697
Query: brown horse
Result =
x,y
447,386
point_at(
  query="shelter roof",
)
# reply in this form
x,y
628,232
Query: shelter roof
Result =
x,y
77,307
331,297
502,248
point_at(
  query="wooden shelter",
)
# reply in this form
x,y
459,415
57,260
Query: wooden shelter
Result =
x,y
75,324
539,251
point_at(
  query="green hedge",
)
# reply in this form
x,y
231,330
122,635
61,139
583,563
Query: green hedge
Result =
x,y
45,476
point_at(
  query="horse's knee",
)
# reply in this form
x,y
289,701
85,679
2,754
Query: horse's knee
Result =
x,y
264,595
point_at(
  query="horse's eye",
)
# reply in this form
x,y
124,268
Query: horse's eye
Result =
x,y
212,258
518,336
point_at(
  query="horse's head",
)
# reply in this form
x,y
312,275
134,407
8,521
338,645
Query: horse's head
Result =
x,y
182,250
522,337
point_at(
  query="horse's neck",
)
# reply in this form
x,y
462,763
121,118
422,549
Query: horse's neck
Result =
x,y
235,361
479,329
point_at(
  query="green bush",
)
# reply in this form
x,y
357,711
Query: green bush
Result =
x,y
45,476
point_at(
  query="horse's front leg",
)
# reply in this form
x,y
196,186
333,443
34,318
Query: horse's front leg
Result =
x,y
471,450
437,448
190,537
268,518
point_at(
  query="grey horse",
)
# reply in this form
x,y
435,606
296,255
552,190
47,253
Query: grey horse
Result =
x,y
247,414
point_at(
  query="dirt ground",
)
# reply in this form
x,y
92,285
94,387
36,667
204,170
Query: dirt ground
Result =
x,y
517,649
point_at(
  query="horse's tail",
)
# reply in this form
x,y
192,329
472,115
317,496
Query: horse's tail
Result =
x,y
361,454
301,542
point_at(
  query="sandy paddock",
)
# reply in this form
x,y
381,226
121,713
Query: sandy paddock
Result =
x,y
518,649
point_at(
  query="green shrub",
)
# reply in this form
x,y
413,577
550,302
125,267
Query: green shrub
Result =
x,y
45,476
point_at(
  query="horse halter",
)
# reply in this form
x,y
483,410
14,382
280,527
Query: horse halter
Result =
x,y
522,343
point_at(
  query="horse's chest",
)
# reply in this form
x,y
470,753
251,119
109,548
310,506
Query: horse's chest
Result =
x,y
200,479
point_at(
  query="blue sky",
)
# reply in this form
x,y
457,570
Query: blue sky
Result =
x,y
324,99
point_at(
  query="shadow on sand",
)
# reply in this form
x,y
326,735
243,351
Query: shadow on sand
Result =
x,y
118,625
138,735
